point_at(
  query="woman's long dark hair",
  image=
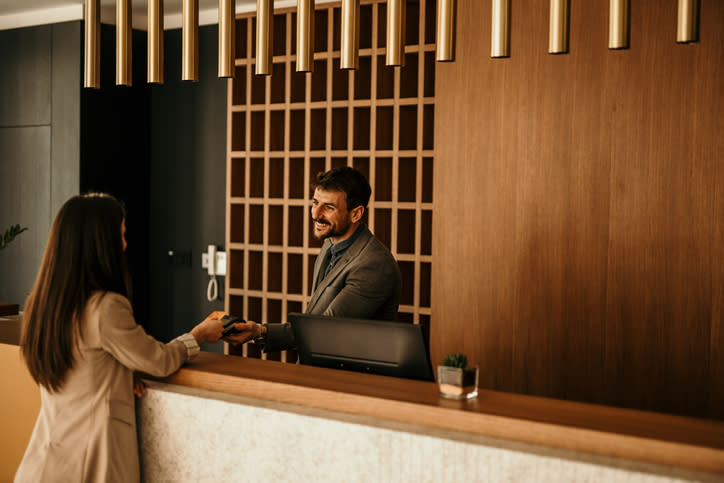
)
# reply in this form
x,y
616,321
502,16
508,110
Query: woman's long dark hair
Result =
x,y
84,255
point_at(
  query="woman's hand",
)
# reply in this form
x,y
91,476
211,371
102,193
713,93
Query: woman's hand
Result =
x,y
210,330
139,387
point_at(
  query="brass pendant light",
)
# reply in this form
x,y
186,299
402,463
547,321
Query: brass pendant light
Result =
x,y
305,35
227,44
618,24
500,29
687,27
190,41
155,42
349,56
445,38
264,36
558,33
92,71
395,55
124,38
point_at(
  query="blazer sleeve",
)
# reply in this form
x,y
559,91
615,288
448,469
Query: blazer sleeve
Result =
x,y
278,337
129,344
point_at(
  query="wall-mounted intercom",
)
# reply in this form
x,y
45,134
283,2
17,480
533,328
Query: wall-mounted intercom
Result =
x,y
214,262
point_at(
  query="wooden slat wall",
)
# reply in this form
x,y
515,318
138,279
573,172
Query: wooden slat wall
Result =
x,y
579,203
285,128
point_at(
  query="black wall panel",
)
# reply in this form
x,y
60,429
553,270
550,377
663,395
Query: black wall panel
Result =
x,y
39,142
25,200
25,77
115,152
188,184
159,148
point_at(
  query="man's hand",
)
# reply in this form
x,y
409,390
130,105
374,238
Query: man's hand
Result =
x,y
246,332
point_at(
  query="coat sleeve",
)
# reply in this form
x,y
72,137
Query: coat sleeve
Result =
x,y
278,337
129,344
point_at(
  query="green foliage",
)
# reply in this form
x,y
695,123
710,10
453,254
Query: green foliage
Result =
x,y
10,235
455,360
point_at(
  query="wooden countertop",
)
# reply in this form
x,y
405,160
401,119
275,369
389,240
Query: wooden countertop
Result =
x,y
675,441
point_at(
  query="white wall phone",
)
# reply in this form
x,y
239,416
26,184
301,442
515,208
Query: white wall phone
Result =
x,y
215,263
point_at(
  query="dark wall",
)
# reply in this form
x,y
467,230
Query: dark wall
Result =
x,y
115,140
159,148
578,241
188,185
39,142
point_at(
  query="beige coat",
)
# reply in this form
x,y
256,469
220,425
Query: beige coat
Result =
x,y
87,431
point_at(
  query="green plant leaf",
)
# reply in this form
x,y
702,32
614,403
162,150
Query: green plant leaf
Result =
x,y
10,234
455,360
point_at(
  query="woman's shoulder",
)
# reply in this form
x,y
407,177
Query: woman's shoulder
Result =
x,y
106,310
102,308
102,301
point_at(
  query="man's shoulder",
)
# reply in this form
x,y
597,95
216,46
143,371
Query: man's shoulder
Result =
x,y
370,242
375,250
369,248
377,244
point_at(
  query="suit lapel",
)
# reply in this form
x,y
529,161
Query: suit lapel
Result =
x,y
352,252
319,264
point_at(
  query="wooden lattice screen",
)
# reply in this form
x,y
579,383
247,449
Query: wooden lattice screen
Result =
x,y
285,128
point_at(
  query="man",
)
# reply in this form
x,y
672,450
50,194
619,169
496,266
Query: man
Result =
x,y
355,275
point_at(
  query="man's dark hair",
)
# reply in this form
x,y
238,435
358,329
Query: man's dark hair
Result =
x,y
346,179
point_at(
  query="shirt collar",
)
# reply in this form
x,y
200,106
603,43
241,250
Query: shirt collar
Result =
x,y
338,248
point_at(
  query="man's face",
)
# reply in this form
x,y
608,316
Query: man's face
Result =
x,y
330,216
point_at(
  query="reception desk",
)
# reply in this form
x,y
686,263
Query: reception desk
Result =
x,y
228,418
235,419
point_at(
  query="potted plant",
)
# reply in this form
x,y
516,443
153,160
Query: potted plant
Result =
x,y
455,379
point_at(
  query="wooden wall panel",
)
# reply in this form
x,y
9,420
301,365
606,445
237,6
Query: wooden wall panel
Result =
x,y
709,148
709,104
561,213
660,297
716,361
578,209
474,187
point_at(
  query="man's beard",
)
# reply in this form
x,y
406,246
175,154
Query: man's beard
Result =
x,y
340,231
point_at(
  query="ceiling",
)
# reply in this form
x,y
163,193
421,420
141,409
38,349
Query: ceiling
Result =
x,y
25,13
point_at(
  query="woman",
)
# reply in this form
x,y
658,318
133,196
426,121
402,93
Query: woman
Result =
x,y
81,344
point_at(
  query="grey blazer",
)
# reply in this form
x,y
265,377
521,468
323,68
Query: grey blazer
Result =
x,y
365,283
